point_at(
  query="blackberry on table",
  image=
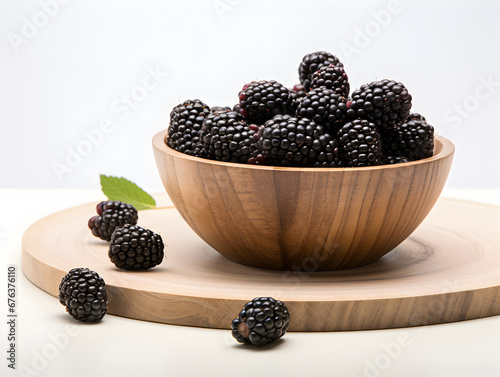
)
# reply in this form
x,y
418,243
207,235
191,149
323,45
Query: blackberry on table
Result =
x,y
385,103
135,248
261,321
289,141
227,137
312,62
262,100
331,77
185,125
413,139
111,214
83,293
325,107
360,143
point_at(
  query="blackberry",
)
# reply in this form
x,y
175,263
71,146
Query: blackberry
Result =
x,y
227,137
261,321
289,141
312,62
360,144
83,293
386,103
415,116
391,160
413,139
330,156
111,214
325,107
237,108
219,109
299,91
261,100
331,77
185,124
135,248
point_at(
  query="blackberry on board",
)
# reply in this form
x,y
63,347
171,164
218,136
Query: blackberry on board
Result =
x,y
111,214
360,143
133,247
413,139
385,103
312,62
261,321
331,77
228,137
325,107
185,125
262,100
83,293
290,141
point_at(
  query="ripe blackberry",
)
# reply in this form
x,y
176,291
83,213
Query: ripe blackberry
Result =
x,y
391,160
299,90
413,139
289,141
331,77
312,62
185,125
330,157
261,100
415,116
386,103
83,293
360,144
261,321
325,107
219,109
227,137
111,214
135,248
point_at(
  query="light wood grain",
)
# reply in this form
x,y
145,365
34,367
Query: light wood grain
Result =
x,y
302,218
447,270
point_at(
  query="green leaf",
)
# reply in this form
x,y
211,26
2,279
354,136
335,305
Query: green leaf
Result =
x,y
116,188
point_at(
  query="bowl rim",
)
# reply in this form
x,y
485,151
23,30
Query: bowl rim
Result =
x,y
442,149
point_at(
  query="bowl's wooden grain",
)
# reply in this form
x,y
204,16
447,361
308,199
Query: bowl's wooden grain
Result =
x,y
302,218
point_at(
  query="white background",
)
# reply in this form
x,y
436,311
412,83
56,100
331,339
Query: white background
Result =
x,y
65,76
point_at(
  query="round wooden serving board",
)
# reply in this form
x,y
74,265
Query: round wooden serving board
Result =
x,y
448,270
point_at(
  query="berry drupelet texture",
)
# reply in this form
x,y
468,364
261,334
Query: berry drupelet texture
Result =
x,y
227,137
391,160
83,293
289,141
111,214
135,248
185,125
360,143
385,103
331,77
262,320
413,139
262,100
313,62
325,107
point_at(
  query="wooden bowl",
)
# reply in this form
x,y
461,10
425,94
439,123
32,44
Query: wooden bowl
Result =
x,y
309,219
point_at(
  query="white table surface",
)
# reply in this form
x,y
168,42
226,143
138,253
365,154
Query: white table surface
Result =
x,y
124,347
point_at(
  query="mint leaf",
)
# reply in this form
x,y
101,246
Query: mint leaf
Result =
x,y
116,188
